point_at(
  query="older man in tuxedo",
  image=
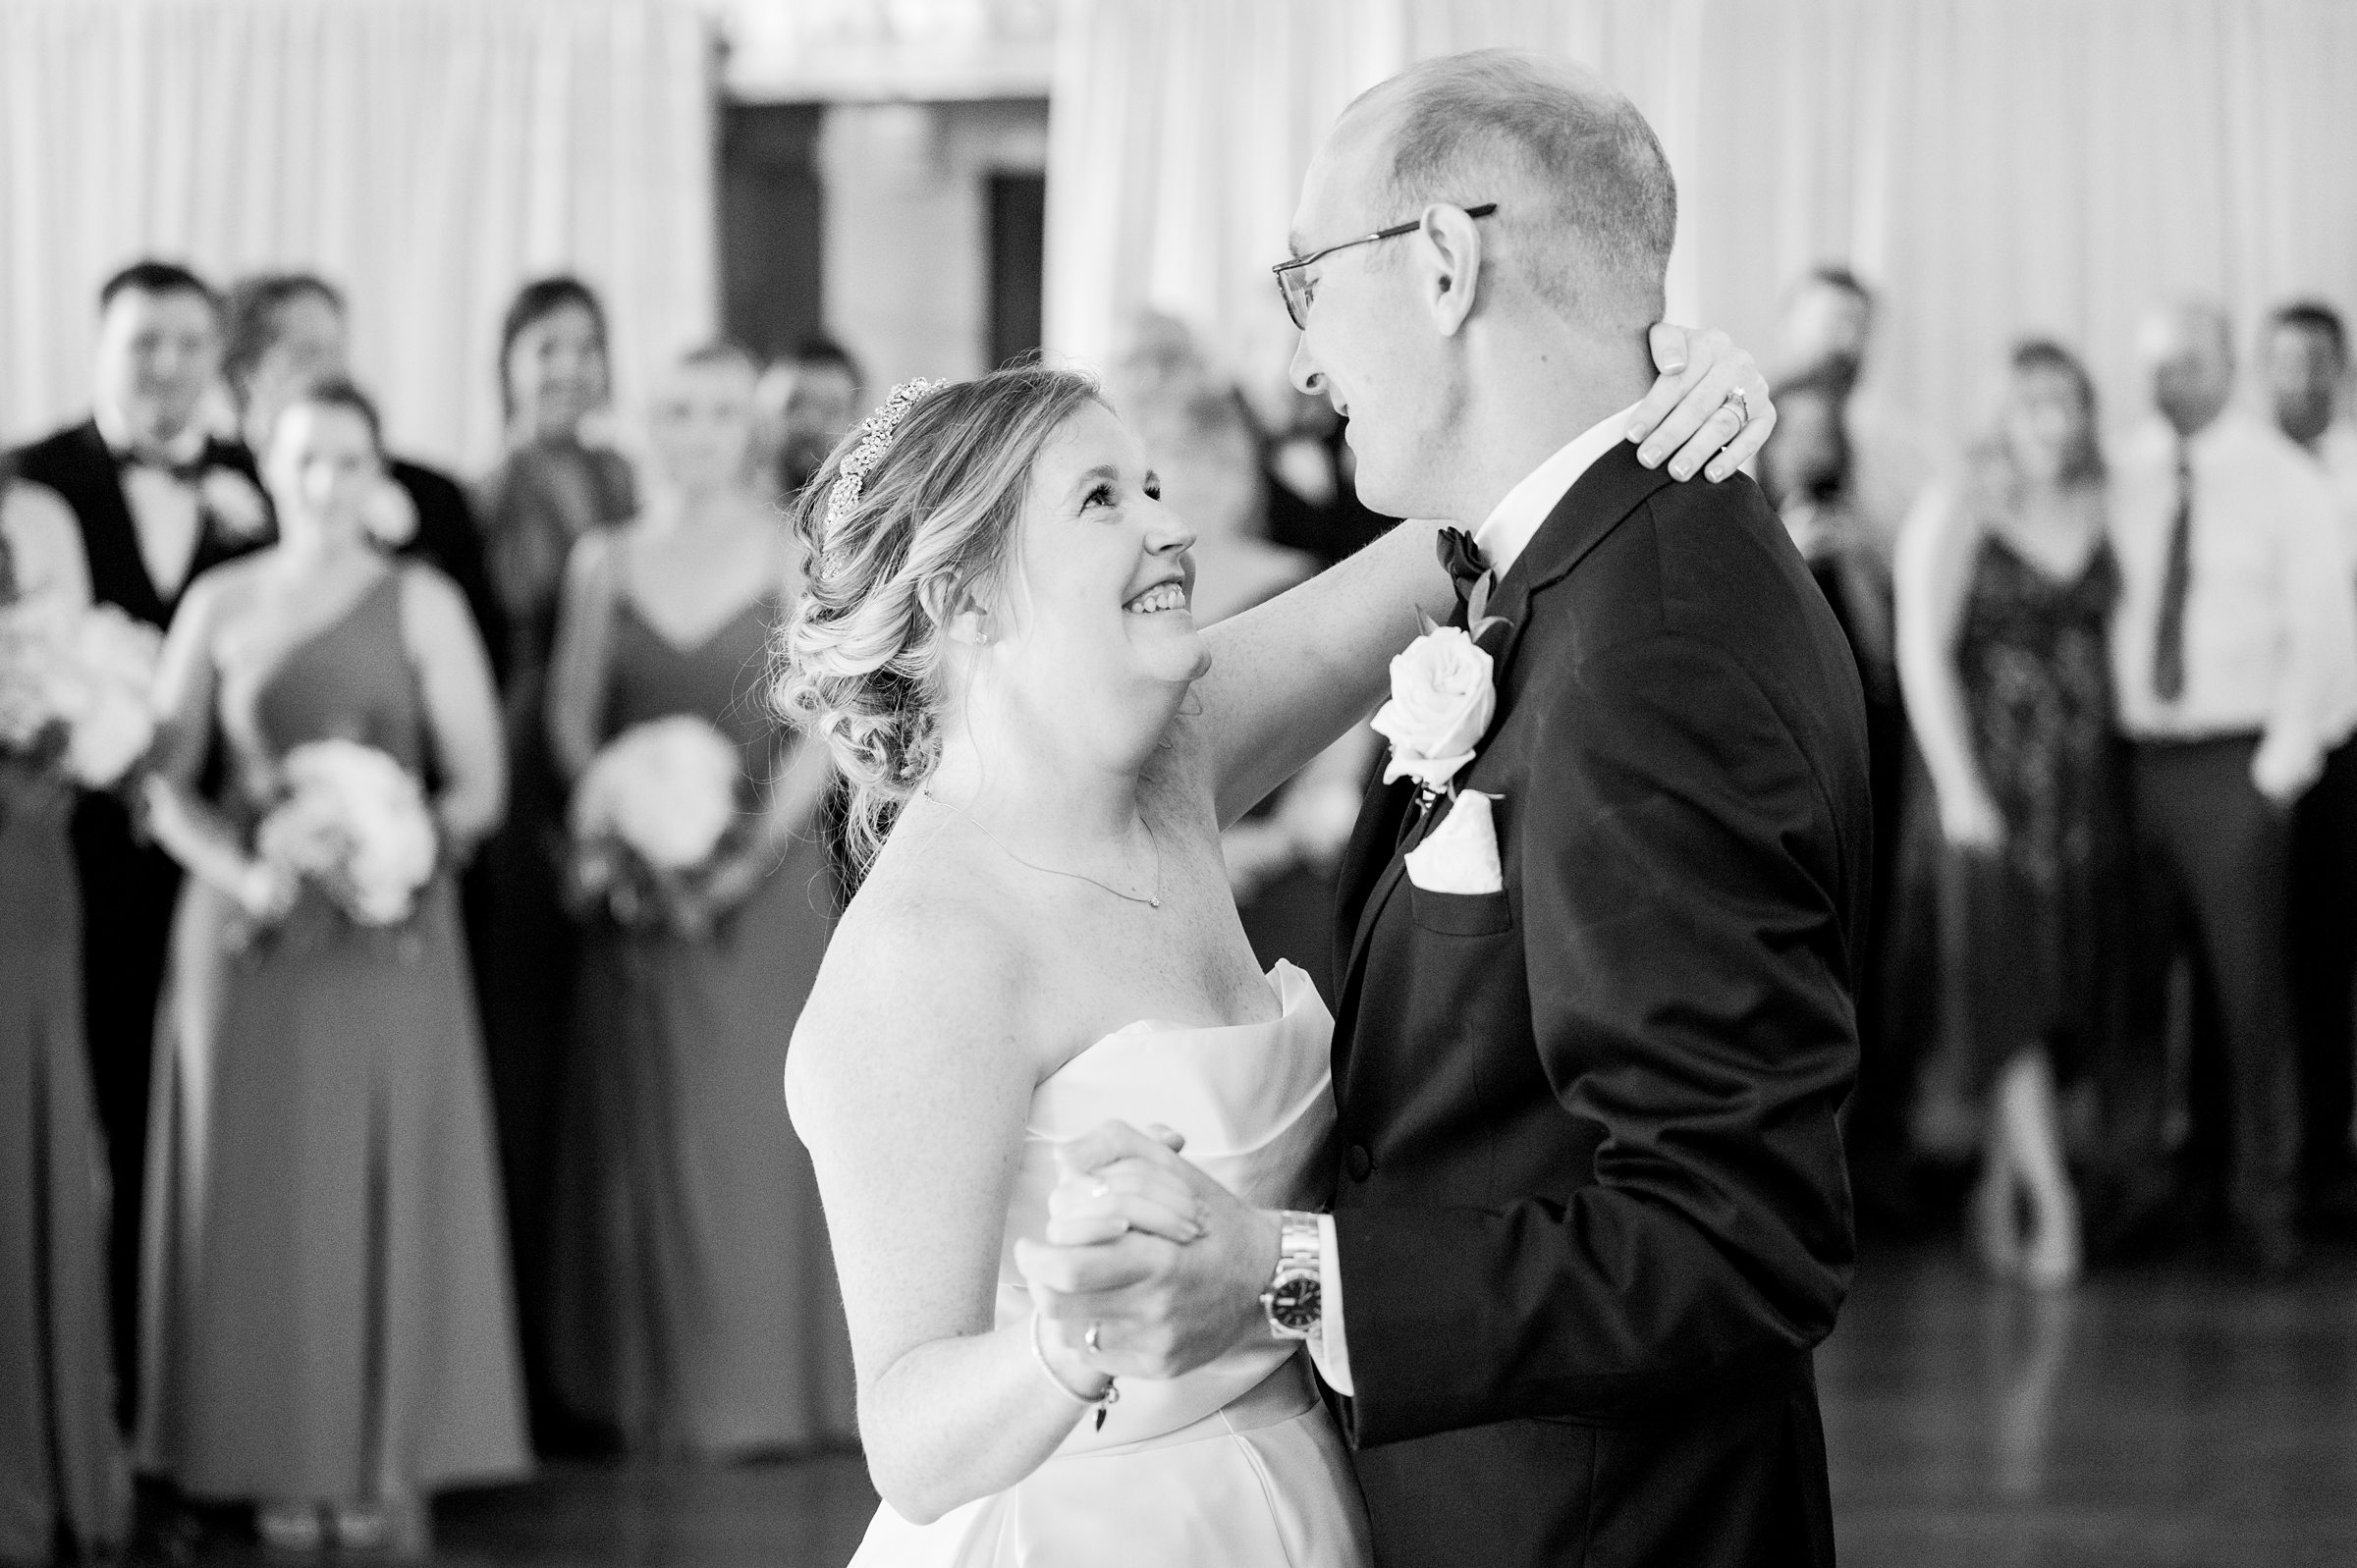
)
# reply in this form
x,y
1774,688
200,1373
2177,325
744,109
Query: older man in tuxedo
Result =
x,y
159,501
1596,1007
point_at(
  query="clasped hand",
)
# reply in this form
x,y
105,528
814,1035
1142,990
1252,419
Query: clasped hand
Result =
x,y
1163,1261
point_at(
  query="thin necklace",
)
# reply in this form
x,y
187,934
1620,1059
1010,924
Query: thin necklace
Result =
x,y
1152,900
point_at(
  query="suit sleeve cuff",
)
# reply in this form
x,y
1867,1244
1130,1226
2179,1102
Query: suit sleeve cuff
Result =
x,y
1330,1347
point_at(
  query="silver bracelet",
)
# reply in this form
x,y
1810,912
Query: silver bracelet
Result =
x,y
1101,1401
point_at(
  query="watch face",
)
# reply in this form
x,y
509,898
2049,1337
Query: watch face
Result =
x,y
1294,1304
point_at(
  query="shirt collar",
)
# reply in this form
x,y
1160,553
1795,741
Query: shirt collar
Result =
x,y
1517,519
180,450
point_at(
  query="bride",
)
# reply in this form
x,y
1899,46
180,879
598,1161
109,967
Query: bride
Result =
x,y
995,642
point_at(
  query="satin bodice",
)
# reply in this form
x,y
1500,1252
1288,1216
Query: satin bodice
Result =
x,y
1256,1103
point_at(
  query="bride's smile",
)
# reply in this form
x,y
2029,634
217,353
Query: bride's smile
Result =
x,y
1106,575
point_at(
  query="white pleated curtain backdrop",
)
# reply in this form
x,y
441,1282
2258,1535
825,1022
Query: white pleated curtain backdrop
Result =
x,y
426,155
1996,166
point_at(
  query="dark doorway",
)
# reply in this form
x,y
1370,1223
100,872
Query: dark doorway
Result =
x,y
772,225
1019,244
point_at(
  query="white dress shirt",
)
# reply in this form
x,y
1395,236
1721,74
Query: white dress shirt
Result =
x,y
166,511
2337,450
1501,538
2271,627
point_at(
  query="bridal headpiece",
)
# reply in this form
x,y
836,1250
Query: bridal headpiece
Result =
x,y
875,439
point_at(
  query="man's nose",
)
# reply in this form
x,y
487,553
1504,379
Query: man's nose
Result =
x,y
1303,372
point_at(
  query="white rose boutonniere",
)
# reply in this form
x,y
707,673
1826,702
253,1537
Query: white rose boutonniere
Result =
x,y
1442,697
390,515
235,503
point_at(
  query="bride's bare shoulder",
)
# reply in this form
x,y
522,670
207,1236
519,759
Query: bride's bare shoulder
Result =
x,y
916,980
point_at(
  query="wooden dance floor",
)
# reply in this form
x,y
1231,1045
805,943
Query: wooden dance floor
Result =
x,y
2174,1417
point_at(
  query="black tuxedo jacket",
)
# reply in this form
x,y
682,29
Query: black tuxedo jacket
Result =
x,y
1592,1209
129,886
448,538
76,464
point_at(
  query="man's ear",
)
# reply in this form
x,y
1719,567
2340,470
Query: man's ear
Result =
x,y
1449,251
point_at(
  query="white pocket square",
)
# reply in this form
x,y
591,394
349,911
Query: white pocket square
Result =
x,y
1462,855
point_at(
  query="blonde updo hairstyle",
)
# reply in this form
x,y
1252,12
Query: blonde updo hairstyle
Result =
x,y
861,663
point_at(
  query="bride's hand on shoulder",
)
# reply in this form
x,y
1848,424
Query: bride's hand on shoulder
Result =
x,y
1088,1207
1708,398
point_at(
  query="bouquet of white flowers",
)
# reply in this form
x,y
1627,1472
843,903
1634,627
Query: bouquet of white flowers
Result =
x,y
652,808
78,680
354,822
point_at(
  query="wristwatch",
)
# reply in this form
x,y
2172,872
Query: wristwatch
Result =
x,y
1293,1301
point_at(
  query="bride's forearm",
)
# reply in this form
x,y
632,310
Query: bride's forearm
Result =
x,y
1289,678
963,1417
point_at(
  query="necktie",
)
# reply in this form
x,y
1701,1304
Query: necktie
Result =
x,y
2176,582
1461,559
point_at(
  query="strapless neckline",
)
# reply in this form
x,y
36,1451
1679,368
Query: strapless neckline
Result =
x,y
1234,1462
1164,1026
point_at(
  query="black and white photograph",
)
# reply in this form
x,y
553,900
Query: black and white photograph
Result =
x,y
1177,783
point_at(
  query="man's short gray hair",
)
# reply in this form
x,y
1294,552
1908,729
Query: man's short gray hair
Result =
x,y
1590,205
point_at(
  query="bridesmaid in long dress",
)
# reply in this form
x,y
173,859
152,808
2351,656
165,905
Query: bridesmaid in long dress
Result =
x,y
62,1476
695,1305
329,1329
549,491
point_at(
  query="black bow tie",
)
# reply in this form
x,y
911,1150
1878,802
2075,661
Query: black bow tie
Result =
x,y
188,472
1461,559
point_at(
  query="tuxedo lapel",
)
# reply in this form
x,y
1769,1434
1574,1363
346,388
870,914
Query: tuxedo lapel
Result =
x,y
1614,486
1611,489
1380,818
1392,870
109,538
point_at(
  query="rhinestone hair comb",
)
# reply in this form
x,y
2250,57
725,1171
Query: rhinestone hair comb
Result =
x,y
875,439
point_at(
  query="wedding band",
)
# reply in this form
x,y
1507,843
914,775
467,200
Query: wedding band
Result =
x,y
1090,1338
1742,401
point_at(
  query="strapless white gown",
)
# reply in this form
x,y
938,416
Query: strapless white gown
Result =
x,y
1236,1465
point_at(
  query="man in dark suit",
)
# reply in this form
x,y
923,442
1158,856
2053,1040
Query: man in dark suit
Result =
x,y
159,502
287,330
1596,1016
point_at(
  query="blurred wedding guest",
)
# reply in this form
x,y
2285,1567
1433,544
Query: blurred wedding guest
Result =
x,y
1809,471
550,490
157,502
2306,362
327,1297
1307,463
1283,856
61,1475
288,330
803,405
694,1302
1827,328
2234,661
2006,584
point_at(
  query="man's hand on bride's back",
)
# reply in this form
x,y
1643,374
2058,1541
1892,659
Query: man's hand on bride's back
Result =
x,y
1115,1256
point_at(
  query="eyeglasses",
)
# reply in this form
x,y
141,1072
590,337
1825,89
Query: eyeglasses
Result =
x,y
1293,282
